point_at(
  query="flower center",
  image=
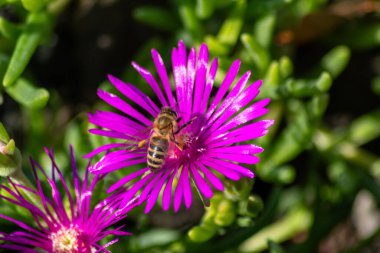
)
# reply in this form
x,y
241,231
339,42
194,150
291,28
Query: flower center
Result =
x,y
191,148
68,240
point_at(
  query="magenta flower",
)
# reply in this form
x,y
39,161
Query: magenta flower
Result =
x,y
209,141
62,223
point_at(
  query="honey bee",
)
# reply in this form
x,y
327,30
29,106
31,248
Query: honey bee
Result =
x,y
165,127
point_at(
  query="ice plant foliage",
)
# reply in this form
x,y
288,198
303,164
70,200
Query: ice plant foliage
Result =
x,y
58,227
213,143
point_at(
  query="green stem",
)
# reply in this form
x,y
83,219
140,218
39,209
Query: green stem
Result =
x,y
297,220
349,151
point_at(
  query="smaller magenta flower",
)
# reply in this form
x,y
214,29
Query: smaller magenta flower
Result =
x,y
62,222
195,138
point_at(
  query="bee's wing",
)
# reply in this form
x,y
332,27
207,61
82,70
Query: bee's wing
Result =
x,y
139,139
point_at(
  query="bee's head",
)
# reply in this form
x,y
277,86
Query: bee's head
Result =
x,y
168,110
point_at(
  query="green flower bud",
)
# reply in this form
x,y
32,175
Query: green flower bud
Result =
x,y
202,233
238,190
251,207
10,158
226,213
285,174
244,222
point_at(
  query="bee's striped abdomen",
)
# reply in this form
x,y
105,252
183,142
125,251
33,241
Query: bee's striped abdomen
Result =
x,y
157,150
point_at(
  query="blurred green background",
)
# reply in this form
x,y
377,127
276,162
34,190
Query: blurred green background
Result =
x,y
317,186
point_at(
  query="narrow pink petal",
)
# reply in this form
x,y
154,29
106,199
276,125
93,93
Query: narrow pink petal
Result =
x,y
254,111
200,78
126,179
224,86
41,194
166,197
161,70
178,194
201,183
103,148
15,238
153,197
24,249
245,133
130,193
145,194
248,159
187,194
103,117
211,177
152,82
110,134
230,100
186,108
209,85
240,169
116,160
22,225
221,168
77,181
179,59
244,117
121,105
248,149
117,123
58,201
116,166
135,95
34,237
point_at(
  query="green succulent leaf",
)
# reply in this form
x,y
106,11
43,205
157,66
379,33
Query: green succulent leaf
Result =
x,y
205,8
26,94
215,46
257,53
365,128
286,67
9,30
294,137
263,29
336,60
230,30
305,88
157,17
37,25
189,18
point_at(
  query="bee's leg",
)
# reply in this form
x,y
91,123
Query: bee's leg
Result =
x,y
185,125
179,119
141,143
179,145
